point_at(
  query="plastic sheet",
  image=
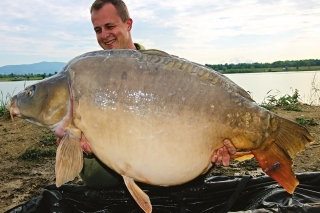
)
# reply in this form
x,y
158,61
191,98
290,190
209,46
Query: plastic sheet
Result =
x,y
204,194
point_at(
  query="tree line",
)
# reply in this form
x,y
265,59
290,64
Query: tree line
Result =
x,y
28,76
263,67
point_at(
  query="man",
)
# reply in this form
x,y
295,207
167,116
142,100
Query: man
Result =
x,y
112,24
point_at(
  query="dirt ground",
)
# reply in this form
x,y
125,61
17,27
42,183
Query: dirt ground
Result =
x,y
21,180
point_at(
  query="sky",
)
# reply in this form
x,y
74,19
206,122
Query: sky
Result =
x,y
203,31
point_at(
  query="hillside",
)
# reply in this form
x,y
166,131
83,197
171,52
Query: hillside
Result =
x,y
36,68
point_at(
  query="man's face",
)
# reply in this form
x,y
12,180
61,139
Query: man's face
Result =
x,y
111,32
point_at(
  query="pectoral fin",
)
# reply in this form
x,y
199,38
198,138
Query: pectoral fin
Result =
x,y
69,158
138,195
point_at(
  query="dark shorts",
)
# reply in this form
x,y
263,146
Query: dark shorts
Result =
x,y
97,175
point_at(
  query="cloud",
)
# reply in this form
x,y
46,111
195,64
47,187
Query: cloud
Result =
x,y
239,18
205,31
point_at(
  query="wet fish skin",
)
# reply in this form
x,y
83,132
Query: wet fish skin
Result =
x,y
44,103
156,118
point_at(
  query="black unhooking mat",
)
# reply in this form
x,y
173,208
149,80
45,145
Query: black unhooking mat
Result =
x,y
204,194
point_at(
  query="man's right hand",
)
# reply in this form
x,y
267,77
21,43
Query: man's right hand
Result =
x,y
222,155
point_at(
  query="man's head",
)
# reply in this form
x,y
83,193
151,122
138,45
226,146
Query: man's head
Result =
x,y
112,24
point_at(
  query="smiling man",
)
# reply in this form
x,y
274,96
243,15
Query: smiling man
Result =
x,y
112,24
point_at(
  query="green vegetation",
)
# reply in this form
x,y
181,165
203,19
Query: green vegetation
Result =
x,y
37,153
277,66
287,102
24,77
3,79
304,121
48,139
3,104
47,148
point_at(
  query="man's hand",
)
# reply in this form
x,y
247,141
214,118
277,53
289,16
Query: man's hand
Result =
x,y
222,155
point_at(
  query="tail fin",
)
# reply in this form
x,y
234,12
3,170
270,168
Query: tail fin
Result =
x,y
275,156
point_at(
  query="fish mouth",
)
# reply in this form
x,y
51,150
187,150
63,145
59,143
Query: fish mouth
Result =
x,y
13,110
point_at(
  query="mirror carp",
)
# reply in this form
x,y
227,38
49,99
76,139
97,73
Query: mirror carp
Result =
x,y
155,118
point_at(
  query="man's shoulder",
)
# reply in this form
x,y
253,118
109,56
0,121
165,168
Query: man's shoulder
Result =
x,y
139,46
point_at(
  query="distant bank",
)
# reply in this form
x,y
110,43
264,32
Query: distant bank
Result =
x,y
277,66
274,69
21,78
32,69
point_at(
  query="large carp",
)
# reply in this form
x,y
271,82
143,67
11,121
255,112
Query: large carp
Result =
x,y
155,118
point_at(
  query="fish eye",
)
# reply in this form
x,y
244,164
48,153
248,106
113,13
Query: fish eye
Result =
x,y
30,91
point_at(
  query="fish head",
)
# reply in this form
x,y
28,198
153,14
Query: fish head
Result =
x,y
44,103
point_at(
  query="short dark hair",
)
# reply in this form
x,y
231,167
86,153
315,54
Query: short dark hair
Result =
x,y
120,6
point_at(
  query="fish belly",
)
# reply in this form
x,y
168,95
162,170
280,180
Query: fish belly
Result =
x,y
152,148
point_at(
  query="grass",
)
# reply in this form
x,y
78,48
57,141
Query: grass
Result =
x,y
3,104
47,148
304,121
5,101
286,102
48,139
33,153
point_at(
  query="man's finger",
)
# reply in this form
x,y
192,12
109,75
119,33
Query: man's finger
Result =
x,y
231,149
219,157
225,157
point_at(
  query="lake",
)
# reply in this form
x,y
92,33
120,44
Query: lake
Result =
x,y
279,83
257,84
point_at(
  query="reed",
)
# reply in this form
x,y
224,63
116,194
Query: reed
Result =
x,y
4,101
314,95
